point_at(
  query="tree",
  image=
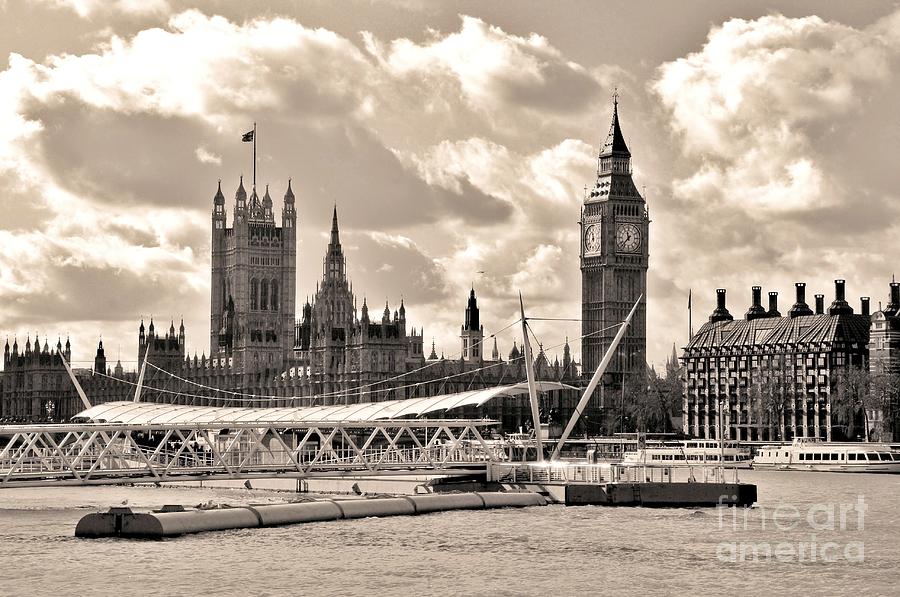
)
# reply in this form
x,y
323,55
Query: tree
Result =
x,y
769,394
885,396
851,395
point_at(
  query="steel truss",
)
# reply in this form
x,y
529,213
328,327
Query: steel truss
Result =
x,y
110,454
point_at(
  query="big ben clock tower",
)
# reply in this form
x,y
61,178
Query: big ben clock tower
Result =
x,y
615,230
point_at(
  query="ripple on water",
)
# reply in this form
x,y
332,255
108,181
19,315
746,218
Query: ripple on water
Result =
x,y
551,550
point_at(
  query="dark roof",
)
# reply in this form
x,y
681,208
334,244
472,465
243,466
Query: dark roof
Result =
x,y
777,331
615,142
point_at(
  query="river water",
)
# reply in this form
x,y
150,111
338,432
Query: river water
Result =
x,y
552,550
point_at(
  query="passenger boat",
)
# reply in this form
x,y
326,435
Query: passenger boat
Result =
x,y
811,454
691,453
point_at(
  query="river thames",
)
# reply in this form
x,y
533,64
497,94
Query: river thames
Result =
x,y
813,533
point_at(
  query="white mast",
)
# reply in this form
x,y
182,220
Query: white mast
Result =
x,y
78,388
595,380
532,389
140,381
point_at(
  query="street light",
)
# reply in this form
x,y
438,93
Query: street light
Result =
x,y
721,401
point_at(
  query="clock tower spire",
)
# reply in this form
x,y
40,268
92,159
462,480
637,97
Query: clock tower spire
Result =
x,y
614,259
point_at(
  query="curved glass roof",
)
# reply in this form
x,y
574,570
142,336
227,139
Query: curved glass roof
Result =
x,y
141,413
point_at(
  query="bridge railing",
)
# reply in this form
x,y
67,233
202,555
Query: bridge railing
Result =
x,y
127,453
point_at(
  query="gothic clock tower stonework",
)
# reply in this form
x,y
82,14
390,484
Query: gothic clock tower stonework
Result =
x,y
615,231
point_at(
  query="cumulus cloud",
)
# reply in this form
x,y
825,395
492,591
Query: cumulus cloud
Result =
x,y
492,67
205,156
751,105
88,8
775,119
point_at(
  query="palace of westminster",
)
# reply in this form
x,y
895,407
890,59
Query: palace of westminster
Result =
x,y
336,353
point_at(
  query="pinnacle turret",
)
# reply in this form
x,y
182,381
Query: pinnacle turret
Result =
x,y
240,196
219,198
267,205
289,194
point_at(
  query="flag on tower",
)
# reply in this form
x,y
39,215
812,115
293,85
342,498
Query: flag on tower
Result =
x,y
248,136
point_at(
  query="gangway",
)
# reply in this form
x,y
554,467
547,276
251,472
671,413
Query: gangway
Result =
x,y
116,453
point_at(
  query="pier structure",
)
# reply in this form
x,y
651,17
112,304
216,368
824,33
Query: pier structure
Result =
x,y
127,442
116,453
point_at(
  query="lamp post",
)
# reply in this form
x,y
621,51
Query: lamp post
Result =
x,y
721,401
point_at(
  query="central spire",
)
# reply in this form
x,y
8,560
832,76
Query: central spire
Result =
x,y
615,141
335,236
614,164
334,257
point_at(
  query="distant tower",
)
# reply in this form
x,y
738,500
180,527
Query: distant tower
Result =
x,y
472,333
253,281
142,342
615,230
100,359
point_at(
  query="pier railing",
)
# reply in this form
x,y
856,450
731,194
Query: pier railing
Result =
x,y
575,472
115,453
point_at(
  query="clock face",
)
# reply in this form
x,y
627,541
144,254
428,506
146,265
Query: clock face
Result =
x,y
628,238
592,238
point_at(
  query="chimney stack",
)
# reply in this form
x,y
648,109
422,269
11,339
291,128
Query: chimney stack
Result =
x,y
800,307
840,306
756,309
773,305
864,305
820,304
720,313
894,305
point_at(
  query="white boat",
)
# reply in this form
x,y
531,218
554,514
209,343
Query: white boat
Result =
x,y
690,453
811,454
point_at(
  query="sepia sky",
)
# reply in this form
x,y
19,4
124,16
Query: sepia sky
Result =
x,y
456,139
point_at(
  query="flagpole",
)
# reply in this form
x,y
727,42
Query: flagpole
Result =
x,y
690,323
254,155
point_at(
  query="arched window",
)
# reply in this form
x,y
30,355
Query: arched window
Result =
x,y
254,294
274,301
264,295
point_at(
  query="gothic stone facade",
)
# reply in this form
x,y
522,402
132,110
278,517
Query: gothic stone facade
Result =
x,y
336,354
254,267
615,236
